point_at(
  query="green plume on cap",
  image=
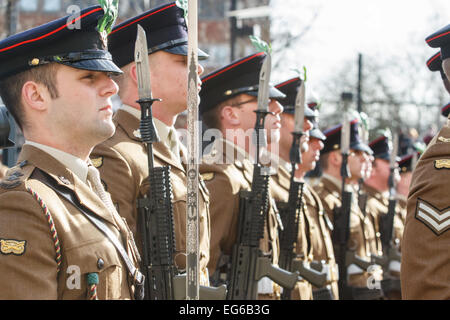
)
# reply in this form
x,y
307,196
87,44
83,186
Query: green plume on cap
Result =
x,y
300,73
260,45
111,9
183,4
385,132
420,146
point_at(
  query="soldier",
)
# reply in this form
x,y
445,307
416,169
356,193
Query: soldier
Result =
x,y
377,189
314,241
362,234
425,254
228,99
122,159
60,236
280,182
320,223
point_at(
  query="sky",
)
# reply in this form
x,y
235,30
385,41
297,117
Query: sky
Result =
x,y
338,30
344,28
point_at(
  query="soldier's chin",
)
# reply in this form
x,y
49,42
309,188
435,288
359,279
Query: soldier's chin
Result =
x,y
274,136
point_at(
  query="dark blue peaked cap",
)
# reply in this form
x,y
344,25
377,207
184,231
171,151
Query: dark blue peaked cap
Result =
x,y
240,76
435,64
165,28
290,88
381,148
72,41
441,39
333,139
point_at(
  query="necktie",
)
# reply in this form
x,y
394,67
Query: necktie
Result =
x,y
94,179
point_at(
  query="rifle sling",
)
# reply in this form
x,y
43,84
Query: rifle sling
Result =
x,y
138,277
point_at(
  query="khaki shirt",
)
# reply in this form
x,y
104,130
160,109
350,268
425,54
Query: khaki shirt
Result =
x,y
225,179
123,164
279,188
359,240
35,222
425,271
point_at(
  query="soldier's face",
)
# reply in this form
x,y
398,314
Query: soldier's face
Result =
x,y
247,117
83,110
169,80
310,157
287,127
446,68
356,164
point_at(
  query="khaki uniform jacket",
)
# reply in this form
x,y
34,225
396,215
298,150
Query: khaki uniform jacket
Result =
x,y
279,189
377,206
322,244
361,230
425,272
225,180
34,226
122,162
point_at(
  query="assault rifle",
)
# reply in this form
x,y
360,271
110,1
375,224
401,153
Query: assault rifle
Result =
x,y
291,211
248,263
155,212
390,253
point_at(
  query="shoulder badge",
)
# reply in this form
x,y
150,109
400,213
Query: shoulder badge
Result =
x,y
442,164
437,220
207,176
11,246
12,178
97,162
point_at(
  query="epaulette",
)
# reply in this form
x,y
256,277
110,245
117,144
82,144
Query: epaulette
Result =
x,y
14,176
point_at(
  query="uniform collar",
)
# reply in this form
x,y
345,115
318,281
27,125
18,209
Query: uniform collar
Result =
x,y
167,134
78,166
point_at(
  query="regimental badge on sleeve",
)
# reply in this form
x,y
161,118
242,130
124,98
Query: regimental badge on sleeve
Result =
x,y
11,246
437,220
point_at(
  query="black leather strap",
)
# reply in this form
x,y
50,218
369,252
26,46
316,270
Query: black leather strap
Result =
x,y
66,193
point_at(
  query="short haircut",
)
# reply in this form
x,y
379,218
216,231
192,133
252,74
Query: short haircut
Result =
x,y
11,88
211,118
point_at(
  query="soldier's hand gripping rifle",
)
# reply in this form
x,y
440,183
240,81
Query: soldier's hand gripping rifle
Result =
x,y
155,212
248,263
290,212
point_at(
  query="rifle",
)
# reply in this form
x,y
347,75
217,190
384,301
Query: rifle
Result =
x,y
390,253
155,211
248,263
290,212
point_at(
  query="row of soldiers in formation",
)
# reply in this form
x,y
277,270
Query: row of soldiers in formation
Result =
x,y
69,225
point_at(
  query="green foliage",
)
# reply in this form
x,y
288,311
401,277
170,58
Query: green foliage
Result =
x,y
260,45
183,4
111,9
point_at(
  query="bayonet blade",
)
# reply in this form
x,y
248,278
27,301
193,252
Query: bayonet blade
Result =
x,y
263,89
300,109
142,65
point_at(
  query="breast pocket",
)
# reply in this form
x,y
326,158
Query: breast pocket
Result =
x,y
96,257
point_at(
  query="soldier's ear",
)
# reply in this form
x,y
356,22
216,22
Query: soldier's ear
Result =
x,y
35,95
132,73
230,116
